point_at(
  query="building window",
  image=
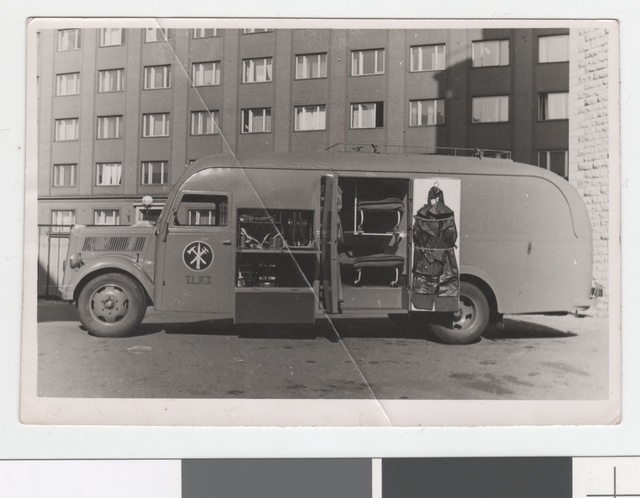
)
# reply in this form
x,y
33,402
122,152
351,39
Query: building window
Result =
x,y
426,112
106,217
156,35
110,80
256,120
364,62
109,127
490,109
205,217
148,214
108,174
311,117
553,106
257,70
206,73
491,53
205,32
367,115
155,125
203,210
67,84
554,160
154,173
427,58
248,31
553,48
62,219
68,39
110,37
311,66
64,175
156,77
204,122
66,129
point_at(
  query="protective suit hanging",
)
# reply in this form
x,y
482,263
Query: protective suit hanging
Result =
x,y
435,269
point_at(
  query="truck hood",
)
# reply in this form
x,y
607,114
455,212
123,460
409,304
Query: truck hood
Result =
x,y
111,239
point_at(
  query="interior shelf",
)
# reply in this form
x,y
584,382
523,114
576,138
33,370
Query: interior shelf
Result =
x,y
378,234
284,250
275,289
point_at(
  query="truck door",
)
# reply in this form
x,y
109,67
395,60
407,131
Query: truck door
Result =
x,y
195,254
435,259
329,245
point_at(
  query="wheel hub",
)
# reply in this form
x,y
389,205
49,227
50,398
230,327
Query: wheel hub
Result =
x,y
110,304
466,314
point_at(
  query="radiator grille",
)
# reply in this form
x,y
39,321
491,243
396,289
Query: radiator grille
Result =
x,y
113,244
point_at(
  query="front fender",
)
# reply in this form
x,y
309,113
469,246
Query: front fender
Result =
x,y
118,263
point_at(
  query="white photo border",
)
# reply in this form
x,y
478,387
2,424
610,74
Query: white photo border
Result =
x,y
57,441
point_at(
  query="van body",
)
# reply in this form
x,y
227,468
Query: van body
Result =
x,y
290,238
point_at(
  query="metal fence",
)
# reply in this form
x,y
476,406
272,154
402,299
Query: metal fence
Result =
x,y
53,241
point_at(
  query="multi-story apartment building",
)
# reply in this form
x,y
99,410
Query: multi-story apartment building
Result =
x,y
122,111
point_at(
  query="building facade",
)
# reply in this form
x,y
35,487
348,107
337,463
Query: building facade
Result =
x,y
121,112
589,143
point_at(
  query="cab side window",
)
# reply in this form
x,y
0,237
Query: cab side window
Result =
x,y
202,210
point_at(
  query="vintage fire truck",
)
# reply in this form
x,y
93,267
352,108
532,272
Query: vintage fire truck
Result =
x,y
451,242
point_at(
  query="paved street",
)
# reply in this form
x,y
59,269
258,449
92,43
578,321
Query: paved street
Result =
x,y
533,357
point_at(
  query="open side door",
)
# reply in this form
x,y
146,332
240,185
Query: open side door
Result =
x,y
330,269
435,278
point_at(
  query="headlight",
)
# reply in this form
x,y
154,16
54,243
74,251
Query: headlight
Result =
x,y
75,260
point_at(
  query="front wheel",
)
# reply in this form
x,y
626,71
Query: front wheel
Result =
x,y
111,305
471,319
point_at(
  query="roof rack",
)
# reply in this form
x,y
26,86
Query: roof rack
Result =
x,y
412,149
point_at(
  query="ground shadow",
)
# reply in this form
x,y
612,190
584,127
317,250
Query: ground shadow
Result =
x,y
332,331
226,327
400,327
522,329
50,310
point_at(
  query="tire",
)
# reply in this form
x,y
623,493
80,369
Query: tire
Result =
x,y
111,305
470,321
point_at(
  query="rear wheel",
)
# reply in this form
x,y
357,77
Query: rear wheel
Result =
x,y
471,319
111,305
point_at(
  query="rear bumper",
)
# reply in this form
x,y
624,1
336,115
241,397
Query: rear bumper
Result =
x,y
582,304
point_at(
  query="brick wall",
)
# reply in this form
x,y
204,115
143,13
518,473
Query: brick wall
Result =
x,y
589,141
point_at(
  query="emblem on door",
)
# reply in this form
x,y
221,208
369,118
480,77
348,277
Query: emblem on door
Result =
x,y
198,256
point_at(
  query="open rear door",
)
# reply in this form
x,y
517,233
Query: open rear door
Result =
x,y
329,245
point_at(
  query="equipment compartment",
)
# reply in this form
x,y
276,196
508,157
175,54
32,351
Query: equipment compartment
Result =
x,y
276,249
275,229
373,247
373,205
270,270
